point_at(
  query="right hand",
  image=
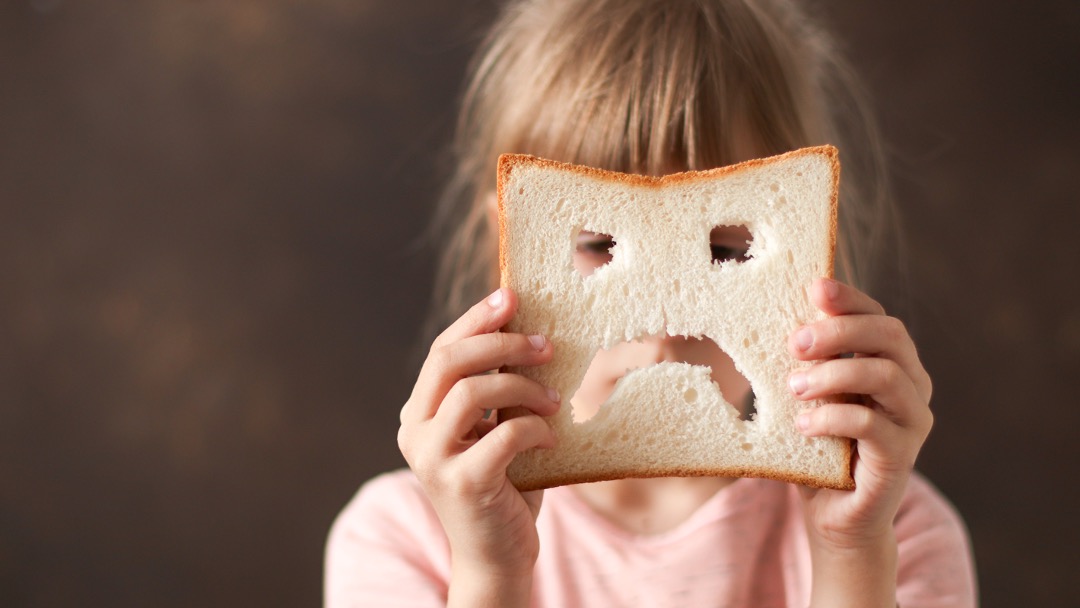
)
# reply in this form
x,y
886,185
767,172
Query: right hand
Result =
x,y
460,455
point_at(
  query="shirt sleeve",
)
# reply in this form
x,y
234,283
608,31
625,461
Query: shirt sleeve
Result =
x,y
387,548
936,567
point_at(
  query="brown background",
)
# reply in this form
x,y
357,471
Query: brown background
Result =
x,y
210,293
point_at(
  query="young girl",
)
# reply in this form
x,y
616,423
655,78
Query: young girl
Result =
x,y
653,87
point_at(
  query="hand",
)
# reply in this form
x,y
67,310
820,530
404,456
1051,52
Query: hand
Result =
x,y
889,427
450,439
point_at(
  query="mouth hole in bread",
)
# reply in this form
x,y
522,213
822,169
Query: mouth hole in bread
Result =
x,y
610,366
730,244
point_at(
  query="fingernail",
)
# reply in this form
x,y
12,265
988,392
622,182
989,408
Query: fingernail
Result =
x,y
553,394
495,300
832,289
804,339
537,341
797,383
803,422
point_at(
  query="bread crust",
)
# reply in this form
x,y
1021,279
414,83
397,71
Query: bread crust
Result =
x,y
508,163
554,481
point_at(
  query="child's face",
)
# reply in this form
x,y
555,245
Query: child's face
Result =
x,y
592,252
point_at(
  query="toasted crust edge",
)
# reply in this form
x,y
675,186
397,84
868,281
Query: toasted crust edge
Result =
x,y
540,482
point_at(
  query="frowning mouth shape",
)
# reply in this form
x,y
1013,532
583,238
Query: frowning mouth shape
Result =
x,y
611,367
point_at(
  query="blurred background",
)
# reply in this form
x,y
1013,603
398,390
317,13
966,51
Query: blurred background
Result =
x,y
211,289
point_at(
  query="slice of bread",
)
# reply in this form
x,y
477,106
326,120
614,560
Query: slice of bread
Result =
x,y
670,419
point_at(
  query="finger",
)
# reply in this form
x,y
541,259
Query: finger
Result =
x,y
835,298
472,400
880,379
448,365
845,420
880,443
490,456
873,335
484,317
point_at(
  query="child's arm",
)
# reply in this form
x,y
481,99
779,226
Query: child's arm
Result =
x,y
852,542
449,438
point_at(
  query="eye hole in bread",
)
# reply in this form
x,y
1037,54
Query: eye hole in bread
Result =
x,y
592,250
730,244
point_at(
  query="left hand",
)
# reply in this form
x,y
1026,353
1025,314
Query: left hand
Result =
x,y
889,426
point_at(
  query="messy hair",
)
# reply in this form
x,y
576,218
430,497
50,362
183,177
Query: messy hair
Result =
x,y
653,87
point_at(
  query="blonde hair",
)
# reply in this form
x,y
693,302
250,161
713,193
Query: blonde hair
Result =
x,y
653,87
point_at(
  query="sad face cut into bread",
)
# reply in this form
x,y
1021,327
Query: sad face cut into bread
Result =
x,y
670,418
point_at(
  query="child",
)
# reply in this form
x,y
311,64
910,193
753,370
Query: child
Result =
x,y
653,87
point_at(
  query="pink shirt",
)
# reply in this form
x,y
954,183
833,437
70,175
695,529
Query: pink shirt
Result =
x,y
745,547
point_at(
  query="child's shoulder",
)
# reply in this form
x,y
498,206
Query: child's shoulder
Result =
x,y
925,508
394,491
385,543
391,504
400,481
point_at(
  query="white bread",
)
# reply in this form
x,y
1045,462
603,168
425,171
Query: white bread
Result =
x,y
670,419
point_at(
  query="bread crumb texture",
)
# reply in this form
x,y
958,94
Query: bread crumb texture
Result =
x,y
670,419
